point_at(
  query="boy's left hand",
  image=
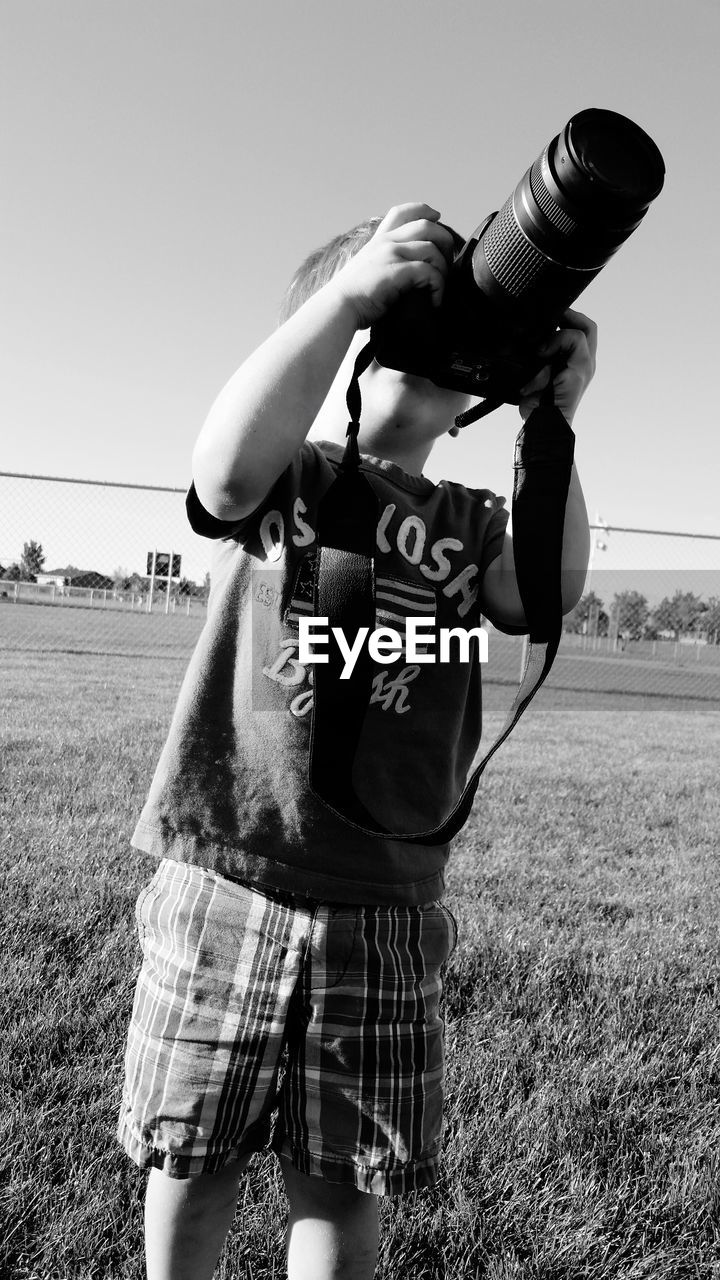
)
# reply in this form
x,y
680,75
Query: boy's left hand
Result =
x,y
571,354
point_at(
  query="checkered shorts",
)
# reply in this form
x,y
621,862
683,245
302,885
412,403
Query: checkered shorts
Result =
x,y
310,1027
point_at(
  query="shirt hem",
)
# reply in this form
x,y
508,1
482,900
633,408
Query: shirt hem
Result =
x,y
265,873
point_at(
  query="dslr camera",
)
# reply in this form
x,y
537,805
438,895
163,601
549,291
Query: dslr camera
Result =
x,y
510,283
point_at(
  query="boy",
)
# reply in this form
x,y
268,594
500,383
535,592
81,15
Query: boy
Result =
x,y
289,960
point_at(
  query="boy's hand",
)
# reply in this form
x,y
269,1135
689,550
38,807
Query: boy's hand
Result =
x,y
409,250
571,354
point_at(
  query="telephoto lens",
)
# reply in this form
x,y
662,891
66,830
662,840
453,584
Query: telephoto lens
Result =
x,y
523,266
575,206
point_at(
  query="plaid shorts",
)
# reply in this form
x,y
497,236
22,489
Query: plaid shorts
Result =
x,y
261,1020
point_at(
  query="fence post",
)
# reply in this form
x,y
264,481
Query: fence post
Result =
x,y
152,583
169,583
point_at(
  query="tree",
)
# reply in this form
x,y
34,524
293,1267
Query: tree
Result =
x,y
711,620
121,579
631,610
587,616
14,573
681,614
31,561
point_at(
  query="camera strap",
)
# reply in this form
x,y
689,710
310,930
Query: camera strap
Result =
x,y
344,594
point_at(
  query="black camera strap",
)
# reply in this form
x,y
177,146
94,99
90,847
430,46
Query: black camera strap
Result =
x,y
344,594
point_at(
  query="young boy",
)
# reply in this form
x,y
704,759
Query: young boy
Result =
x,y
291,976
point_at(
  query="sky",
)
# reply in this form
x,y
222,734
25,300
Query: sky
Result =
x,y
168,163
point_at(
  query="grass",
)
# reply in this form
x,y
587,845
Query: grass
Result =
x,y
582,1004
664,669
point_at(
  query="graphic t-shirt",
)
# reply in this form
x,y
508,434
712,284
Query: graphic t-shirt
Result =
x,y
231,788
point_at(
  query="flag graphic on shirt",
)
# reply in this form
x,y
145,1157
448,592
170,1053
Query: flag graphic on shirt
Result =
x,y
396,600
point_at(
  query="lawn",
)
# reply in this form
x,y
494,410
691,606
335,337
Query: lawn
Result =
x,y
582,1004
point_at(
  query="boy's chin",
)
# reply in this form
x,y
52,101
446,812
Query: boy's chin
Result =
x,y
423,389
412,380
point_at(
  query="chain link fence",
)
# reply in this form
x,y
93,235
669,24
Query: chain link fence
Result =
x,y
94,567
110,568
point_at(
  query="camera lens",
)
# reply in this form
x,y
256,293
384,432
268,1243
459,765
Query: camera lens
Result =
x,y
579,201
524,266
604,159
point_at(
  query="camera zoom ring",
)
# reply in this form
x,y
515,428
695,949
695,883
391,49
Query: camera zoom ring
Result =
x,y
514,263
547,205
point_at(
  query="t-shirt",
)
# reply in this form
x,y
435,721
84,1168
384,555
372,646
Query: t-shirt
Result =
x,y
231,788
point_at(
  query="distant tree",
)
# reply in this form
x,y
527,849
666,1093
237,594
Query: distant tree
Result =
x,y
186,587
632,612
711,620
32,561
14,573
681,614
121,579
588,605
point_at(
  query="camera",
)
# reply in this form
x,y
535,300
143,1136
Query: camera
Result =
x,y
510,283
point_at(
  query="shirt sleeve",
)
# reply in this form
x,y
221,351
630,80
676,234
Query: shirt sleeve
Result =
x,y
309,471
207,525
494,536
492,548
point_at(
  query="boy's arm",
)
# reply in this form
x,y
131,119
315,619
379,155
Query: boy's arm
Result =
x,y
576,345
263,414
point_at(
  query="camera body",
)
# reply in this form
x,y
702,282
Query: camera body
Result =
x,y
511,281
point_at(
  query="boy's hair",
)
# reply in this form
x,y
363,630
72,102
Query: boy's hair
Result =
x,y
322,264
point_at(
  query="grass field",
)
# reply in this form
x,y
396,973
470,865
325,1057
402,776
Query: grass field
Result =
x,y
664,670
582,1004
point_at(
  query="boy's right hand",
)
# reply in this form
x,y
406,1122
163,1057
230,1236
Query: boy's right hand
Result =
x,y
264,412
409,250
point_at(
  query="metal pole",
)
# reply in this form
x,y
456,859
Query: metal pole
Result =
x,y
169,582
152,583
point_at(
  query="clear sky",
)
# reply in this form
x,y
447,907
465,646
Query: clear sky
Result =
x,y
167,163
